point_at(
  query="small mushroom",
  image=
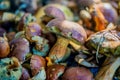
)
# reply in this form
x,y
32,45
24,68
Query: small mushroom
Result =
x,y
77,73
4,47
54,71
41,46
32,29
10,69
69,33
36,63
19,48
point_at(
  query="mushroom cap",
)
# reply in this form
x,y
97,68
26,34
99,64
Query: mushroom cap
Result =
x,y
77,73
67,12
54,12
4,47
54,71
68,29
108,11
19,48
36,63
32,29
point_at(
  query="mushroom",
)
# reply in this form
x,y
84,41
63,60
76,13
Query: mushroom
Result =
x,y
32,29
108,11
59,10
106,42
57,7
54,71
19,48
4,47
54,12
33,33
77,73
10,68
41,46
36,64
69,33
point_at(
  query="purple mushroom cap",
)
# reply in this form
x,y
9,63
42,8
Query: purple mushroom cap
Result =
x,y
54,12
68,29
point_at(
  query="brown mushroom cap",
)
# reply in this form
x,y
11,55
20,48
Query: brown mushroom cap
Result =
x,y
54,71
36,63
77,73
4,47
68,29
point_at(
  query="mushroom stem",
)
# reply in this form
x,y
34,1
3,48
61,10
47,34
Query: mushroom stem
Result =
x,y
59,50
49,62
75,46
108,70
